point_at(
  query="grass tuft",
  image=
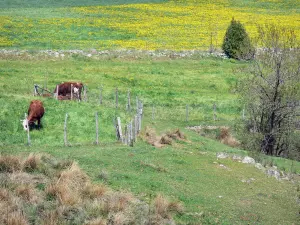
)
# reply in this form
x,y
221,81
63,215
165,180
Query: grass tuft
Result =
x,y
32,162
226,138
9,163
17,218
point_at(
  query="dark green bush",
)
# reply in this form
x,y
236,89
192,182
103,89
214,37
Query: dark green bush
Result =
x,y
237,43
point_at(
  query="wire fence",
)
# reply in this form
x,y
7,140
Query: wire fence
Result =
x,y
126,107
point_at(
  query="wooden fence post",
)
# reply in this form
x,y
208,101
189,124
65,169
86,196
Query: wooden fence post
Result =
x,y
100,97
243,113
116,127
131,134
71,91
140,122
97,129
140,108
57,86
135,127
28,134
128,101
65,131
128,131
125,138
35,91
215,111
137,104
187,113
117,96
119,129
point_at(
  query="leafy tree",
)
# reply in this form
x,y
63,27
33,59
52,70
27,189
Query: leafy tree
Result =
x,y
237,43
271,93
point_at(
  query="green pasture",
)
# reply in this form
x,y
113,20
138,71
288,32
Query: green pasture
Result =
x,y
190,173
186,171
166,87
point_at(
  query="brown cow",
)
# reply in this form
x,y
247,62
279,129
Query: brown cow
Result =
x,y
35,113
64,89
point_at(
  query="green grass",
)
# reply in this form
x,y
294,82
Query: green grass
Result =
x,y
168,85
189,171
188,176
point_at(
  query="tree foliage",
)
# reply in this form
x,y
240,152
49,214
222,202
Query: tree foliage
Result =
x,y
237,43
271,93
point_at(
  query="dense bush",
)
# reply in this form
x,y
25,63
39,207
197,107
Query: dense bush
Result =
x,y
237,43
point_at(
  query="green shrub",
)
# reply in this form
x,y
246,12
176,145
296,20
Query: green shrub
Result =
x,y
237,43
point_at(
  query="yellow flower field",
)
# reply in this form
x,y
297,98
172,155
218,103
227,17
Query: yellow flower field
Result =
x,y
177,25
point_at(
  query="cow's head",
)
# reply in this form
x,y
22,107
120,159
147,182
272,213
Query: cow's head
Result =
x,y
25,124
76,90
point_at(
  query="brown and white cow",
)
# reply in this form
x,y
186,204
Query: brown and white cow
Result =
x,y
64,89
35,113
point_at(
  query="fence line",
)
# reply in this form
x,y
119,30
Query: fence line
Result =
x,y
188,113
28,132
65,131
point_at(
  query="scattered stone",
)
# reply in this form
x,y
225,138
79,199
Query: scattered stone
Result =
x,y
248,181
202,153
259,166
222,155
248,160
120,53
273,173
224,167
237,158
94,51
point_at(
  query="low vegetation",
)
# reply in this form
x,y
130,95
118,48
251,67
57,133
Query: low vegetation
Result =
x,y
43,190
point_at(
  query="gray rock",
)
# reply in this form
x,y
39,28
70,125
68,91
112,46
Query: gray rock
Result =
x,y
248,181
248,160
273,173
237,158
222,155
259,166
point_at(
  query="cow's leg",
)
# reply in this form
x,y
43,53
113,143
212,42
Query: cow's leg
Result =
x,y
39,124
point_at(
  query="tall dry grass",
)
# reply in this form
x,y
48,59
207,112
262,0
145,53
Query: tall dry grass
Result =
x,y
67,196
226,138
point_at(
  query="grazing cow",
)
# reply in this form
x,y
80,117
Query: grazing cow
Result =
x,y
35,113
64,89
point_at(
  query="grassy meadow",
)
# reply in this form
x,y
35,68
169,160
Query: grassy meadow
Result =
x,y
186,171
213,191
166,85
